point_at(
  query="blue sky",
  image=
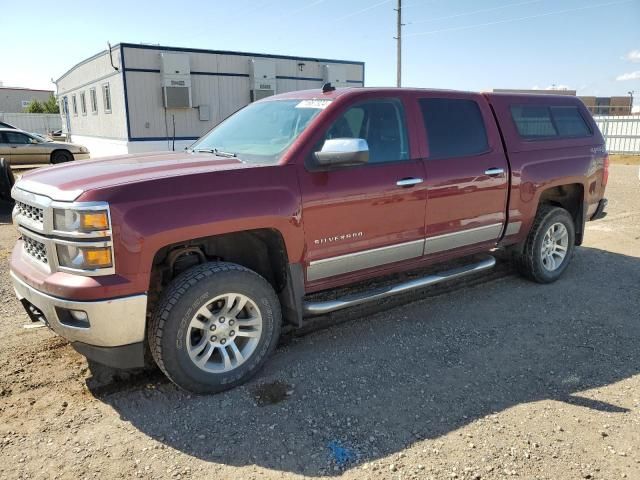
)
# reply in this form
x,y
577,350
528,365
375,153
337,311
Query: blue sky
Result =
x,y
589,45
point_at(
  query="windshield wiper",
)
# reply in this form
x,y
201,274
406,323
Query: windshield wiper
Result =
x,y
215,151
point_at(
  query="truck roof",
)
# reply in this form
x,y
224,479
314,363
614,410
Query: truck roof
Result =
x,y
348,91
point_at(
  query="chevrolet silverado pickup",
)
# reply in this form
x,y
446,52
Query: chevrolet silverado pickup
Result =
x,y
196,259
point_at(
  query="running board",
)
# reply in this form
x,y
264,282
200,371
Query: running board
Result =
x,y
311,309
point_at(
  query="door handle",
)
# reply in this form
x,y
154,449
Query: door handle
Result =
x,y
409,182
494,171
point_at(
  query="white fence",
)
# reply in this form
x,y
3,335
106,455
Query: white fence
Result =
x,y
621,133
42,123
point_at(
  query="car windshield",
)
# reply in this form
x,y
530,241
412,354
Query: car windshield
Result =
x,y
261,132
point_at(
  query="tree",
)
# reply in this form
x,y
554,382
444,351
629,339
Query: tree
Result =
x,y
51,106
48,106
34,107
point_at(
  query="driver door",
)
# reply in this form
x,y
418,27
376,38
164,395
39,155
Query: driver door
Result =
x,y
360,219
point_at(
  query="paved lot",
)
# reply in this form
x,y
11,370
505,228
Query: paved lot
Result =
x,y
501,379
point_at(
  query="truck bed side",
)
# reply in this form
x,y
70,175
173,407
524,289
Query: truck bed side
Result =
x,y
559,169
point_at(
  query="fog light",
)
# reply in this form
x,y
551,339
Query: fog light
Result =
x,y
79,315
73,318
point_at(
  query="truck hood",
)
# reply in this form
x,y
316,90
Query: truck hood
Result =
x,y
68,181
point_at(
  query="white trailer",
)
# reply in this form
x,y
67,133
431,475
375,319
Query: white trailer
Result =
x,y
138,98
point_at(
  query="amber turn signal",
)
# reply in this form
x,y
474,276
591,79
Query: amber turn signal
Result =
x,y
90,221
98,257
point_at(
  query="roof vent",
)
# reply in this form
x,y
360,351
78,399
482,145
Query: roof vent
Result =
x,y
327,87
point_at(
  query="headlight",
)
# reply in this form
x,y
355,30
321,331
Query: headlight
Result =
x,y
83,221
84,258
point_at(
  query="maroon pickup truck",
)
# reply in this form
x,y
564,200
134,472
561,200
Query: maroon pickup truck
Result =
x,y
196,259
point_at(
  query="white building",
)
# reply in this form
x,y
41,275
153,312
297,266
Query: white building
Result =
x,y
138,98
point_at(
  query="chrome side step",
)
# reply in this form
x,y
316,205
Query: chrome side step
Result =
x,y
320,308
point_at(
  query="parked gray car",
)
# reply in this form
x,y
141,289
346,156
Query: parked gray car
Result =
x,y
22,148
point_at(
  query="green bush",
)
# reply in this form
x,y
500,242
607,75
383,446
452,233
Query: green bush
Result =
x,y
49,106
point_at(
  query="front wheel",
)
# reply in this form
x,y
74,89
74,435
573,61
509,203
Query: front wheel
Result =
x,y
215,327
549,245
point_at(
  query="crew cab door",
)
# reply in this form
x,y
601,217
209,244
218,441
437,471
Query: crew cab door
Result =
x,y
369,216
466,173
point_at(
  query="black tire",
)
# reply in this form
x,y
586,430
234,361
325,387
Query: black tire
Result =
x,y
6,180
188,293
529,263
61,156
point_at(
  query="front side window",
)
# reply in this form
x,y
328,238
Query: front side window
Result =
x,y
379,122
261,132
106,97
94,100
83,103
455,127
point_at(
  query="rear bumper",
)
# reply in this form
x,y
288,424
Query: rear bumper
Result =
x,y
600,213
109,323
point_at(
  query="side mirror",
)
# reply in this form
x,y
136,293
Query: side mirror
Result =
x,y
343,152
33,141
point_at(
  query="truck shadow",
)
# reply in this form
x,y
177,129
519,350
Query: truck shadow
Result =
x,y
371,387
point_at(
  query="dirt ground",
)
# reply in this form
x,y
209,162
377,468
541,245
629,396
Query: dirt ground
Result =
x,y
499,379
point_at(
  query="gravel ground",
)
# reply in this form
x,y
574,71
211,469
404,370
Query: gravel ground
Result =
x,y
499,379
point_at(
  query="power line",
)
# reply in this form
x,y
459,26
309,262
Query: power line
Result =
x,y
529,2
358,12
497,22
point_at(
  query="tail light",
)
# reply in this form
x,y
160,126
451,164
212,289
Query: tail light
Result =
x,y
605,175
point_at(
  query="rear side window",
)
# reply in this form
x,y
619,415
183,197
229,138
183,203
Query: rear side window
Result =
x,y
569,122
455,127
540,122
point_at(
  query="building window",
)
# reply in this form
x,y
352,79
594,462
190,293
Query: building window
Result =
x,y
83,103
93,97
74,104
106,97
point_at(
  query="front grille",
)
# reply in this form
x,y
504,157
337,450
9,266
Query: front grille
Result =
x,y
34,214
35,249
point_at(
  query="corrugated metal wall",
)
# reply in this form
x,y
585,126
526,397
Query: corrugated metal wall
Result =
x,y
220,81
41,123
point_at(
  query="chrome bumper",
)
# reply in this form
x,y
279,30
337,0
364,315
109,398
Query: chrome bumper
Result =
x,y
110,323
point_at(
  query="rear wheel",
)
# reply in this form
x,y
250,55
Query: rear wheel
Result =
x,y
215,327
549,245
61,156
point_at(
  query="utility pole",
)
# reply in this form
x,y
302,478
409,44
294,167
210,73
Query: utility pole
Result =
x,y
399,40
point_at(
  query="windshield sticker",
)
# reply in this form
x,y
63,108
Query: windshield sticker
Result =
x,y
318,103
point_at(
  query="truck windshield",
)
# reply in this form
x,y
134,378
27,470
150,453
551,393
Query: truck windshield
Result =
x,y
261,132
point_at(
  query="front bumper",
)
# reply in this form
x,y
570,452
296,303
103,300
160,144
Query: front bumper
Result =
x,y
81,156
109,323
